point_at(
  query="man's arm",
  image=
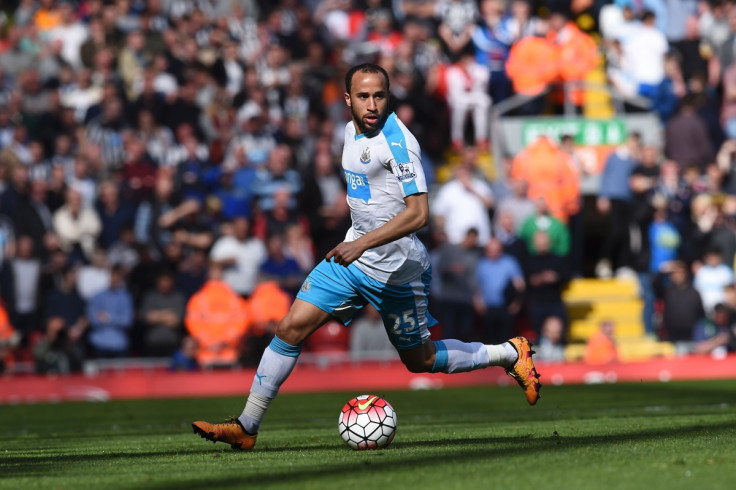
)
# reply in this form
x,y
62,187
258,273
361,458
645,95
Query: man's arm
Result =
x,y
411,219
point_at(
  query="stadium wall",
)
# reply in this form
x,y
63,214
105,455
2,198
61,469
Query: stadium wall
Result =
x,y
375,377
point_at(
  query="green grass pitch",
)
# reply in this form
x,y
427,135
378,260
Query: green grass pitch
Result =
x,y
623,436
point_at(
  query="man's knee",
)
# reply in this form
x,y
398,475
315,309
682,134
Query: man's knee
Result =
x,y
418,365
419,360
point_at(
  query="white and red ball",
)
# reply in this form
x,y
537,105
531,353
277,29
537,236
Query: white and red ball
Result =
x,y
367,422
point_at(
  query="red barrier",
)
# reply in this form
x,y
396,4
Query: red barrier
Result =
x,y
137,384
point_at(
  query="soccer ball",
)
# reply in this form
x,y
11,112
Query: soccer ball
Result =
x,y
367,422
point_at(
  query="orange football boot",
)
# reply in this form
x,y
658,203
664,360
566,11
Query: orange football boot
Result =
x,y
230,432
523,371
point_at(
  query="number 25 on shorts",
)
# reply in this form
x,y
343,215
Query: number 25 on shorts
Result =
x,y
403,323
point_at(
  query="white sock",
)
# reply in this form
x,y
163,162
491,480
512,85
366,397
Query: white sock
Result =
x,y
504,355
454,356
277,362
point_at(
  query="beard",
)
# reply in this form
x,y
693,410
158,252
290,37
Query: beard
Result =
x,y
365,127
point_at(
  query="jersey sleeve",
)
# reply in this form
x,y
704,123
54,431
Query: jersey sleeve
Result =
x,y
406,160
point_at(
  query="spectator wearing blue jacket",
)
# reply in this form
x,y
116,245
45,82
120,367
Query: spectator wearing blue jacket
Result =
x,y
614,199
110,315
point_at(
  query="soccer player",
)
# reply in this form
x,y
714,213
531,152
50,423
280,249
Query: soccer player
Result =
x,y
381,262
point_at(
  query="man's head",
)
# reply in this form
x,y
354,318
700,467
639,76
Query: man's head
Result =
x,y
494,248
165,282
713,257
367,93
541,242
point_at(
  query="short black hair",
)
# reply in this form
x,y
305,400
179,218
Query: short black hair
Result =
x,y
364,68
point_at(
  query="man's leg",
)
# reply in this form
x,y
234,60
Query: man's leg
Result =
x,y
276,364
453,356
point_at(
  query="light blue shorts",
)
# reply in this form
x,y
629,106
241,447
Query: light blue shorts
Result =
x,y
343,291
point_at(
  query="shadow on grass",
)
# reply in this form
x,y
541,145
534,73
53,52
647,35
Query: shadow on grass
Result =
x,y
474,449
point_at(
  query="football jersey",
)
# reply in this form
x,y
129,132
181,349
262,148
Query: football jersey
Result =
x,y
380,170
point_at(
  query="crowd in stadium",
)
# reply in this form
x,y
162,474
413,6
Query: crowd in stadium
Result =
x,y
170,169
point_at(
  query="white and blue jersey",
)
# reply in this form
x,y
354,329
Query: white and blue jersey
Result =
x,y
380,170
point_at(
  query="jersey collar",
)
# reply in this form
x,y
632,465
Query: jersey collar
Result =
x,y
372,133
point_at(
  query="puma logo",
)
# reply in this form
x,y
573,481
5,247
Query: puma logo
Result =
x,y
393,143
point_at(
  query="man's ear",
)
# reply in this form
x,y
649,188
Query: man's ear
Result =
x,y
347,99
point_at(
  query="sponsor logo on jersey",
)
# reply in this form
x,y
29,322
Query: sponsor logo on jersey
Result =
x,y
358,185
365,157
394,143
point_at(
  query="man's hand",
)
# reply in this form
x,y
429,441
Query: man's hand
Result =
x,y
346,253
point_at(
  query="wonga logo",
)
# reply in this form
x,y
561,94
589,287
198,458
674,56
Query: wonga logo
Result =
x,y
358,186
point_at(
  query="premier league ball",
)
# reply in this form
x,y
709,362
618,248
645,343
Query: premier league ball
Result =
x,y
367,422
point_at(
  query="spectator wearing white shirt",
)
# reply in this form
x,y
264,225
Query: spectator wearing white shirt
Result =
x,y
71,34
711,279
467,92
463,203
241,256
643,55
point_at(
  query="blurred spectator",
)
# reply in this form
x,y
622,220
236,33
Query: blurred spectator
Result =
x,y
643,183
218,319
457,22
556,231
123,252
110,315
185,358
277,267
65,303
192,273
499,281
464,203
281,216
549,173
455,264
467,87
277,175
663,238
546,275
368,338
26,274
93,278
715,333
9,338
508,234
157,219
78,226
15,59
551,347
162,314
614,201
492,40
711,278
577,54
643,50
601,346
298,246
240,255
686,140
517,205
683,308
57,352
113,212
71,33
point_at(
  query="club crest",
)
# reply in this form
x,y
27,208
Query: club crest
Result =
x,y
365,157
307,285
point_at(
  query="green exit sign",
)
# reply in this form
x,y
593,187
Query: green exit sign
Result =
x,y
589,132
